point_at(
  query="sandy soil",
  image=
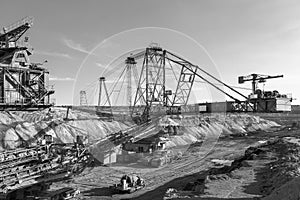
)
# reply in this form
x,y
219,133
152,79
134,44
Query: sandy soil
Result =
x,y
238,132
247,181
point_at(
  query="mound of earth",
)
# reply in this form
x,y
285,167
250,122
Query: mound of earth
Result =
x,y
197,128
19,128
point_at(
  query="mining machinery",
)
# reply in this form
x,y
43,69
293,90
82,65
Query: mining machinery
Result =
x,y
29,171
255,79
148,93
265,101
129,184
23,84
144,80
152,91
144,83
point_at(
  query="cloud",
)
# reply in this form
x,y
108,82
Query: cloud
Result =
x,y
54,78
55,54
76,46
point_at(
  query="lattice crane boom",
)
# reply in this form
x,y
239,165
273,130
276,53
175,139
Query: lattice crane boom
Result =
x,y
14,32
186,65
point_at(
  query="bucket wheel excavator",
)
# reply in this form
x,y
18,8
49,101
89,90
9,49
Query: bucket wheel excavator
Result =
x,y
29,171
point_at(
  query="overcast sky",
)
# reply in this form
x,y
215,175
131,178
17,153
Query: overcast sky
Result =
x,y
241,36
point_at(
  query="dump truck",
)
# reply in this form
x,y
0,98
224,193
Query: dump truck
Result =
x,y
129,184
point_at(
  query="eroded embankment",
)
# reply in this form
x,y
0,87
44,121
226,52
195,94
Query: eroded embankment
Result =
x,y
218,125
17,128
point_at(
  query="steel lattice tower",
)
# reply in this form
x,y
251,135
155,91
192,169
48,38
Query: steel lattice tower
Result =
x,y
130,64
102,86
83,99
151,86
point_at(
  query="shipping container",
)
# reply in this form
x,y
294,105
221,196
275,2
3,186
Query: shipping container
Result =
x,y
215,107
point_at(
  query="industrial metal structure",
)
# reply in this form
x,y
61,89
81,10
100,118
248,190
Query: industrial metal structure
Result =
x,y
266,101
130,65
23,84
159,82
29,171
152,95
83,99
103,109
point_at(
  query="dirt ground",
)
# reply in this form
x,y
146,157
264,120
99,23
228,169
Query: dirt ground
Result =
x,y
252,175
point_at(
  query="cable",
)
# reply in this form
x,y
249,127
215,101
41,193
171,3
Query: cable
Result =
x,y
120,89
222,85
115,83
89,85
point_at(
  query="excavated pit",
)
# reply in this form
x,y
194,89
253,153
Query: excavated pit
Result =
x,y
235,132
